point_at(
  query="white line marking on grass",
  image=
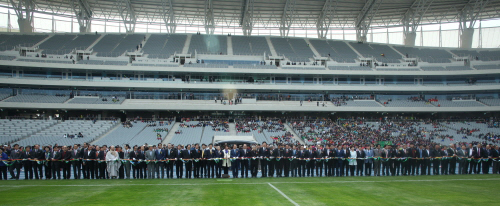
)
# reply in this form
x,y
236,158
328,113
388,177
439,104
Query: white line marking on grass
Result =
x,y
279,191
248,183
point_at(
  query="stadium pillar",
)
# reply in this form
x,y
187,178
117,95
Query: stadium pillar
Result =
x,y
410,38
466,38
25,26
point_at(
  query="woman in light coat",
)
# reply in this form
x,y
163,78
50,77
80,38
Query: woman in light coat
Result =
x,y
113,165
352,161
226,162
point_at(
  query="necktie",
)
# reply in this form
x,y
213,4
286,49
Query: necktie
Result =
x,y
202,153
26,153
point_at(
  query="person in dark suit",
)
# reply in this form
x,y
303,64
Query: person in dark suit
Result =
x,y
15,154
294,164
279,161
47,164
254,162
188,155
56,163
436,154
65,164
413,154
210,153
203,161
27,159
101,157
197,153
462,164
235,153
160,155
452,152
319,162
309,156
76,155
400,153
179,164
218,164
479,154
340,162
422,162
472,153
360,153
121,155
264,153
88,163
287,154
170,153
495,153
245,155
444,162
487,156
37,154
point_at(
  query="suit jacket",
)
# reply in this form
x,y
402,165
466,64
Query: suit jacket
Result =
x,y
368,155
436,153
29,155
235,152
149,155
462,153
76,155
309,154
264,152
100,155
56,155
16,154
244,153
66,155
38,154
187,154
160,154
377,152
360,154
172,154
126,154
86,154
340,153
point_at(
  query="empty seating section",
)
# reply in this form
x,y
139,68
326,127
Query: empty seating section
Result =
x,y
8,41
55,134
490,102
155,65
295,50
103,62
484,67
354,68
396,69
376,51
483,55
205,65
162,46
8,58
114,45
426,54
209,133
489,55
149,136
4,95
208,44
254,66
303,68
465,53
37,98
122,134
55,44
343,53
431,68
187,134
363,103
250,45
47,61
457,68
97,100
451,103
15,129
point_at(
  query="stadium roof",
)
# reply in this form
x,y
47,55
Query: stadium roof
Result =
x,y
273,13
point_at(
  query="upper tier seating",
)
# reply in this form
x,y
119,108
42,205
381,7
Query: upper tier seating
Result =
x,y
15,129
354,68
9,41
8,58
162,46
376,51
426,54
96,100
250,45
64,44
37,98
114,45
483,67
208,44
296,50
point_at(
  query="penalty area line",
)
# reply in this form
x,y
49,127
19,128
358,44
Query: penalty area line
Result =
x,y
283,194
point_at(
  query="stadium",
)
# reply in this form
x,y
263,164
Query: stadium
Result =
x,y
281,102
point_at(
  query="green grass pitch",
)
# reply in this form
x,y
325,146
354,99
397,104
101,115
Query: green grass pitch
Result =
x,y
420,190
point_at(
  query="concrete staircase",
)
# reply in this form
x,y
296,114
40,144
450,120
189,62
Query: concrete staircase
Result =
x,y
271,47
312,48
295,136
186,45
117,125
229,46
171,133
232,129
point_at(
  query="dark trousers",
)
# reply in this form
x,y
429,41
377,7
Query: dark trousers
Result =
x,y
3,172
386,168
234,167
254,167
294,167
56,169
89,169
76,169
310,168
38,170
263,167
270,165
414,166
352,168
244,167
286,167
340,168
211,168
160,170
170,169
137,171
66,167
486,166
48,170
196,169
302,168
144,168
319,168
359,167
472,167
189,169
453,166
368,169
423,167
435,166
376,167
17,167
179,166
279,167
218,169
444,167
203,168
462,166
28,170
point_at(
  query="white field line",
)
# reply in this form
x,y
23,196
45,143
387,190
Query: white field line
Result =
x,y
245,183
279,191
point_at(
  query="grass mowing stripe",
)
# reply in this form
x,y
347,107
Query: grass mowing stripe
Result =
x,y
279,191
255,183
